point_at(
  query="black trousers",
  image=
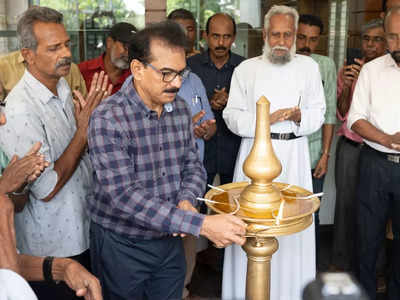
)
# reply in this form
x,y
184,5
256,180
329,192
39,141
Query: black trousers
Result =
x,y
136,269
378,195
318,186
60,291
347,169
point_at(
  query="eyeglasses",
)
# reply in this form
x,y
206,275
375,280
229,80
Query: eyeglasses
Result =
x,y
170,75
374,39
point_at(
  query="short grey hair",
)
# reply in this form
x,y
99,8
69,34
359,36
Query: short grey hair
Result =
x,y
281,10
375,23
393,10
26,36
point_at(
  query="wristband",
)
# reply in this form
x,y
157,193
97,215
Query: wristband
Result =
x,y
47,267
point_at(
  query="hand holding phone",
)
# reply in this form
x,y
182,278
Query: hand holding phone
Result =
x,y
352,56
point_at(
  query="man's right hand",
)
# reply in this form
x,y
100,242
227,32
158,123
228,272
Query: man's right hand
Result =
x,y
99,89
350,73
224,230
197,117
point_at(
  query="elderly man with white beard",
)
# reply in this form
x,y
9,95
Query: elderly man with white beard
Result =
x,y
292,83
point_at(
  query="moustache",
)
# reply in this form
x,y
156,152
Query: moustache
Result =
x,y
66,61
124,58
171,90
396,56
280,48
305,49
220,48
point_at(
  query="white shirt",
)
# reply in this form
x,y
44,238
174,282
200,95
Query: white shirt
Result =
x,y
376,98
59,227
282,86
14,287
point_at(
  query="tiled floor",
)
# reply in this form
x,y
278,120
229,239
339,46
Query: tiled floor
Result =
x,y
207,276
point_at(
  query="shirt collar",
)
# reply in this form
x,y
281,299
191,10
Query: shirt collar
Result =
x,y
233,61
20,58
389,61
42,92
97,63
130,93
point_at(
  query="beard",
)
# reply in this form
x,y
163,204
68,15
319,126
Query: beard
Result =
x,y
270,54
396,56
119,62
65,61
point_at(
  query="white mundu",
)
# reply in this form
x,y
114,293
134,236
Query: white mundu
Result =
x,y
285,86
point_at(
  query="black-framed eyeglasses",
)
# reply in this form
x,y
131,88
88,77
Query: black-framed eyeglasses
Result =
x,y
170,75
374,39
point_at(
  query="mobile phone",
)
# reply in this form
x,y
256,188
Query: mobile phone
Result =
x,y
352,54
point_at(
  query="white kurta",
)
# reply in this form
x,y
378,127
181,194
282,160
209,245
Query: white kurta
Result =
x,y
293,265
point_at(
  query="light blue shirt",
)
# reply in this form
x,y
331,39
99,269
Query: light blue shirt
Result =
x,y
194,93
59,227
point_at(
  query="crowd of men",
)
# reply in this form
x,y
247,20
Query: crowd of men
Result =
x,y
102,162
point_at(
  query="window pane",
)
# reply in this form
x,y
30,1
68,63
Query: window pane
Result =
x,y
88,21
247,15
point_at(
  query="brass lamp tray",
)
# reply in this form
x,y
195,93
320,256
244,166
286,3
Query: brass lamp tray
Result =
x,y
296,213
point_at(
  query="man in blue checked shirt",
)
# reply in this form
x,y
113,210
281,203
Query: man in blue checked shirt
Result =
x,y
204,127
147,175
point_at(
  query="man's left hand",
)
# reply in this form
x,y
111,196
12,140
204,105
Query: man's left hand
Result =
x,y
396,147
81,281
284,114
204,130
293,114
185,205
322,166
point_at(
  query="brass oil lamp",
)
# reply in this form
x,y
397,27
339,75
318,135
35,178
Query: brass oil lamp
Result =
x,y
269,208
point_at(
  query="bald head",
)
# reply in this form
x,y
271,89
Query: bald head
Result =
x,y
221,18
220,34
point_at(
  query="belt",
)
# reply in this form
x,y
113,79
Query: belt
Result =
x,y
284,136
392,157
353,143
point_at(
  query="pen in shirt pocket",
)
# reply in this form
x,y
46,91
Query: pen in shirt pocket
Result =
x,y
197,103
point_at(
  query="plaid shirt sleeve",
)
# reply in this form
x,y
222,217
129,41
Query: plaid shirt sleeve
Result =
x,y
121,185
